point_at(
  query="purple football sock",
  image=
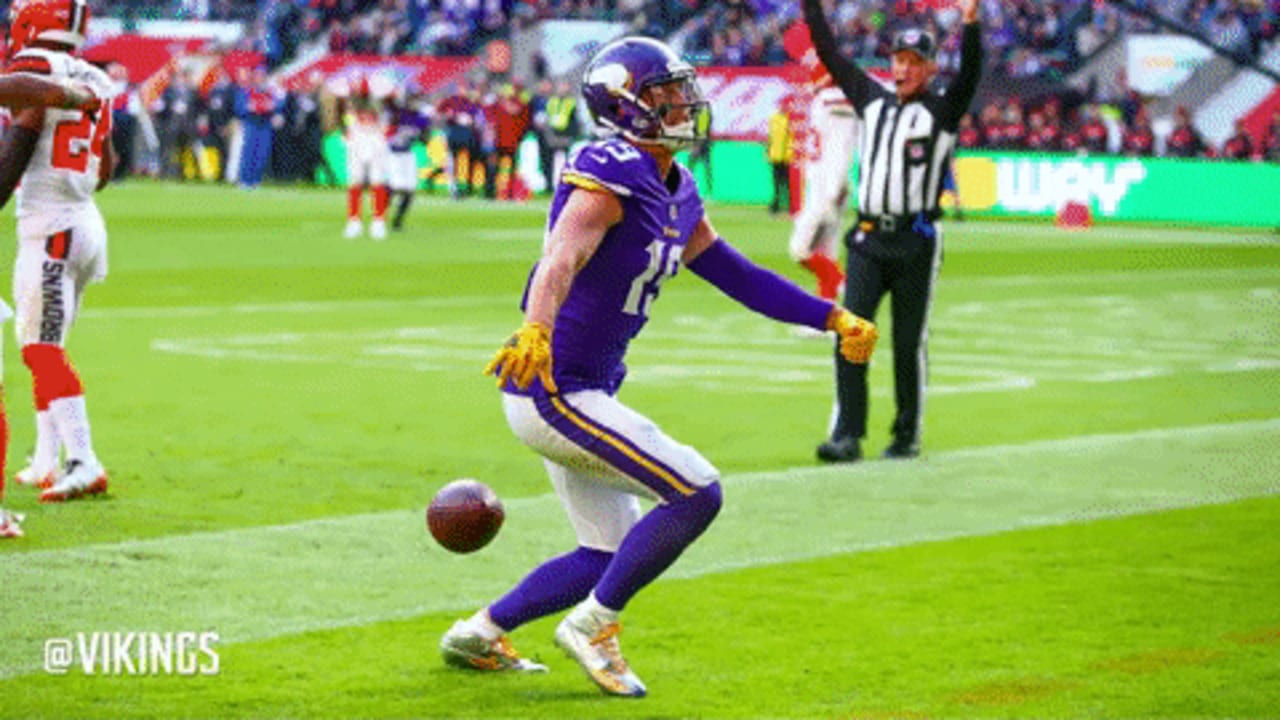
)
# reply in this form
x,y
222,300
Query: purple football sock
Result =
x,y
554,585
654,543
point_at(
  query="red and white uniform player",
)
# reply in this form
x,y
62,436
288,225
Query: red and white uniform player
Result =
x,y
365,127
64,157
828,149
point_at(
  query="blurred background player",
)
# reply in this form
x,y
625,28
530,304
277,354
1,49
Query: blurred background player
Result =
x,y
700,154
461,115
562,128
368,156
175,111
829,147
409,125
256,106
509,117
62,157
129,121
779,150
625,216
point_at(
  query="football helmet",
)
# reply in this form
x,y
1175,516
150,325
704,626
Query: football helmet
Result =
x,y
57,21
614,87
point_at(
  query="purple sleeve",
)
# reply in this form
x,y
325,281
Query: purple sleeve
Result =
x,y
762,290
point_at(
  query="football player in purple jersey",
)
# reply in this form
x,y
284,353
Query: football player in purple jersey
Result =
x,y
625,216
409,125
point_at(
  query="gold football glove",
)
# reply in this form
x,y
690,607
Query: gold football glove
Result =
x,y
857,336
525,355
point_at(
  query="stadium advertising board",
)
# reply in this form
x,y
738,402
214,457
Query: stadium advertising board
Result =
x,y
742,99
1210,192
1146,189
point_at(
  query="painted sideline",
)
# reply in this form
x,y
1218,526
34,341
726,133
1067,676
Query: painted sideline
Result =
x,y
264,582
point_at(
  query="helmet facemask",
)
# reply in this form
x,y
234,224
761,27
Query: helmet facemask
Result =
x,y
680,99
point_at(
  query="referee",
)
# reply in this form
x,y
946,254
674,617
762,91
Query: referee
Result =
x,y
895,248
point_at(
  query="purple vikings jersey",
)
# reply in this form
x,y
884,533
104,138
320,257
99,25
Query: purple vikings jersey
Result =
x,y
406,127
610,298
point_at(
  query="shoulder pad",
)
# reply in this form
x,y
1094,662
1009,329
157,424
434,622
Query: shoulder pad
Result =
x,y
605,165
29,62
95,78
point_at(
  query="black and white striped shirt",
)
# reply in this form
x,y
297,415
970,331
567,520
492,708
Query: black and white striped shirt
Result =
x,y
906,147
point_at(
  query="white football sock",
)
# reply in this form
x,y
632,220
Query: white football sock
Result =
x,y
593,610
47,442
72,420
484,625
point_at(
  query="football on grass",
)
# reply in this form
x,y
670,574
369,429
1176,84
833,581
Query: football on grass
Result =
x,y
465,515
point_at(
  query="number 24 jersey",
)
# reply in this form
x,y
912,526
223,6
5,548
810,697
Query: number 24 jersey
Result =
x,y
63,171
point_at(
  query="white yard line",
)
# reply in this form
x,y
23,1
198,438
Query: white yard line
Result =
x,y
263,582
509,299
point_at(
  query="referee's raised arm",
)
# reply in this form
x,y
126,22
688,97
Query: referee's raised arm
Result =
x,y
859,88
964,85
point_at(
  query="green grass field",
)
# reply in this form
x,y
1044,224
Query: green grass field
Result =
x,y
1091,532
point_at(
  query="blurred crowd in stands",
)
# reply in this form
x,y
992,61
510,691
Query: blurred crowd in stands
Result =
x,y
1239,26
277,28
185,130
1097,129
1026,37
245,129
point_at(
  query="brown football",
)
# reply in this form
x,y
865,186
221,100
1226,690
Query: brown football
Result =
x,y
465,515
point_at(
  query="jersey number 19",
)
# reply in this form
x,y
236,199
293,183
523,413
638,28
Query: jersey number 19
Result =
x,y
663,263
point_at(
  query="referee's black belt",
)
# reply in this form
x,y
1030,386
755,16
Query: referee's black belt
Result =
x,y
892,223
886,223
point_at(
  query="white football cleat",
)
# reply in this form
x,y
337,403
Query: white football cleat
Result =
x,y
594,645
378,229
9,527
465,648
35,477
77,480
354,229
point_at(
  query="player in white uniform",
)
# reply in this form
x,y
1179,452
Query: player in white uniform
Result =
x,y
61,157
828,152
18,91
368,160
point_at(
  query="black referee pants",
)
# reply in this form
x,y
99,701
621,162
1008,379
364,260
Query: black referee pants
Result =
x,y
908,278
